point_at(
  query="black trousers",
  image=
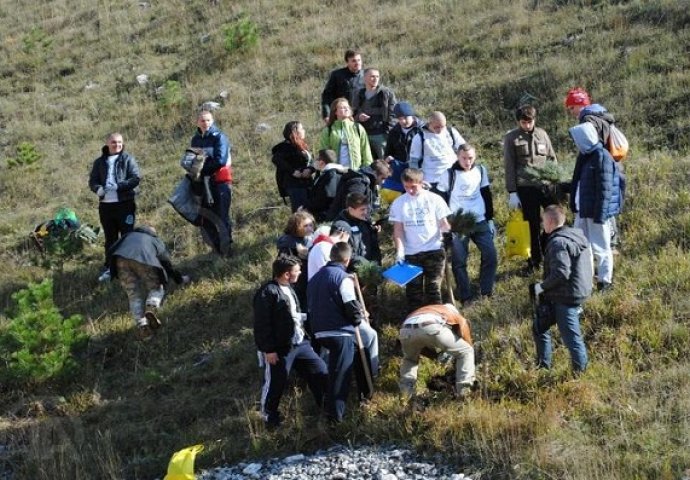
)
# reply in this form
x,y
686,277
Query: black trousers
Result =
x,y
533,199
116,219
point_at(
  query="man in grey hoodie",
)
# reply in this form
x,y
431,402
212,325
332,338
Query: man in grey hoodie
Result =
x,y
567,284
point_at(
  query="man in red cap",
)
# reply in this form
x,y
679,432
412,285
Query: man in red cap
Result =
x,y
580,106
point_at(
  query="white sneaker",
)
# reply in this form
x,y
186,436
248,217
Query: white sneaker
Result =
x,y
104,276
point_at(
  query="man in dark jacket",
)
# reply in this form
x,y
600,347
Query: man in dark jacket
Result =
x,y
567,284
365,181
115,179
325,186
364,237
280,337
343,82
142,263
373,108
215,212
398,144
335,313
596,197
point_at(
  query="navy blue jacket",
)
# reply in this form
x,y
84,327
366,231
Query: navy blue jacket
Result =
x,y
327,311
126,174
216,146
597,176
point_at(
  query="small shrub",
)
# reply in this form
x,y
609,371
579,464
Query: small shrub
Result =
x,y
35,39
171,94
241,35
38,343
27,154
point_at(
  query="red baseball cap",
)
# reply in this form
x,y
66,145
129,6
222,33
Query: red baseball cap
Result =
x,y
577,96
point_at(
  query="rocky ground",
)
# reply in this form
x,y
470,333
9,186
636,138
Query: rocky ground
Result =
x,y
343,463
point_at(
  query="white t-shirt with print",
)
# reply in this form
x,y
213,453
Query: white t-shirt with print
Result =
x,y
419,216
466,191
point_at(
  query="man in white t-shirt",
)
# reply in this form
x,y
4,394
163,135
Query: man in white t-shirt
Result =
x,y
419,218
433,148
467,187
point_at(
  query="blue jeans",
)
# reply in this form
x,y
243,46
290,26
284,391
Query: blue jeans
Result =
x,y
567,317
484,240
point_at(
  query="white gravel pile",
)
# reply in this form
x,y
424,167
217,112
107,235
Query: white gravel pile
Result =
x,y
341,463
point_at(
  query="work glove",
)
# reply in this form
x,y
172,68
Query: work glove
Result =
x,y
514,201
100,192
535,289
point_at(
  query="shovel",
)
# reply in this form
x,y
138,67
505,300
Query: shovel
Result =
x,y
366,363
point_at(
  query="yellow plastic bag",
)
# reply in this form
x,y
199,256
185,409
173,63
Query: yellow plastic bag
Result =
x,y
517,236
181,466
388,196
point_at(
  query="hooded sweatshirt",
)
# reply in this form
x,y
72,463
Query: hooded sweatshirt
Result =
x,y
567,267
600,118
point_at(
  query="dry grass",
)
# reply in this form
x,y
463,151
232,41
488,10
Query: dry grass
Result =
x,y
131,406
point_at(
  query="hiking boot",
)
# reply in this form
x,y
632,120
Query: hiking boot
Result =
x,y
104,276
153,321
144,331
604,286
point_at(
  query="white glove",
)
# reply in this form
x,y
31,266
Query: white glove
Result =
x,y
399,257
514,201
100,192
538,289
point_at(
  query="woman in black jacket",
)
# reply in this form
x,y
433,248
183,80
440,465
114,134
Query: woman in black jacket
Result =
x,y
292,158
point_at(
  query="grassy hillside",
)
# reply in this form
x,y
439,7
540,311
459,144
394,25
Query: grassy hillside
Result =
x,y
68,77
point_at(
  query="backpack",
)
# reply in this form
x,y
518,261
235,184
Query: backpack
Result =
x,y
618,144
344,188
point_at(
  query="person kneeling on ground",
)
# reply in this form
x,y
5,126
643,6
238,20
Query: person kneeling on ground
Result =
x,y
142,263
442,327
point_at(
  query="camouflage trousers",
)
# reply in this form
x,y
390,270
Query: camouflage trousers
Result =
x,y
142,285
426,288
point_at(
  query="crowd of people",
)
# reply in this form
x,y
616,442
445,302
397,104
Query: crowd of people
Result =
x,y
373,150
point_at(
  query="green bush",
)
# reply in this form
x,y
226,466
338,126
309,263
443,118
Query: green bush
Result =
x,y
35,39
171,94
240,35
38,343
27,154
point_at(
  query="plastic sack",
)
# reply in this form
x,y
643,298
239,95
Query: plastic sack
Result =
x,y
618,144
181,466
185,202
517,236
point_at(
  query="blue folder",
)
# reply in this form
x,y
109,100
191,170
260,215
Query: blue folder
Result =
x,y
402,273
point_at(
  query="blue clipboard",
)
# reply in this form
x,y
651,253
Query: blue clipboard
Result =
x,y
402,273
